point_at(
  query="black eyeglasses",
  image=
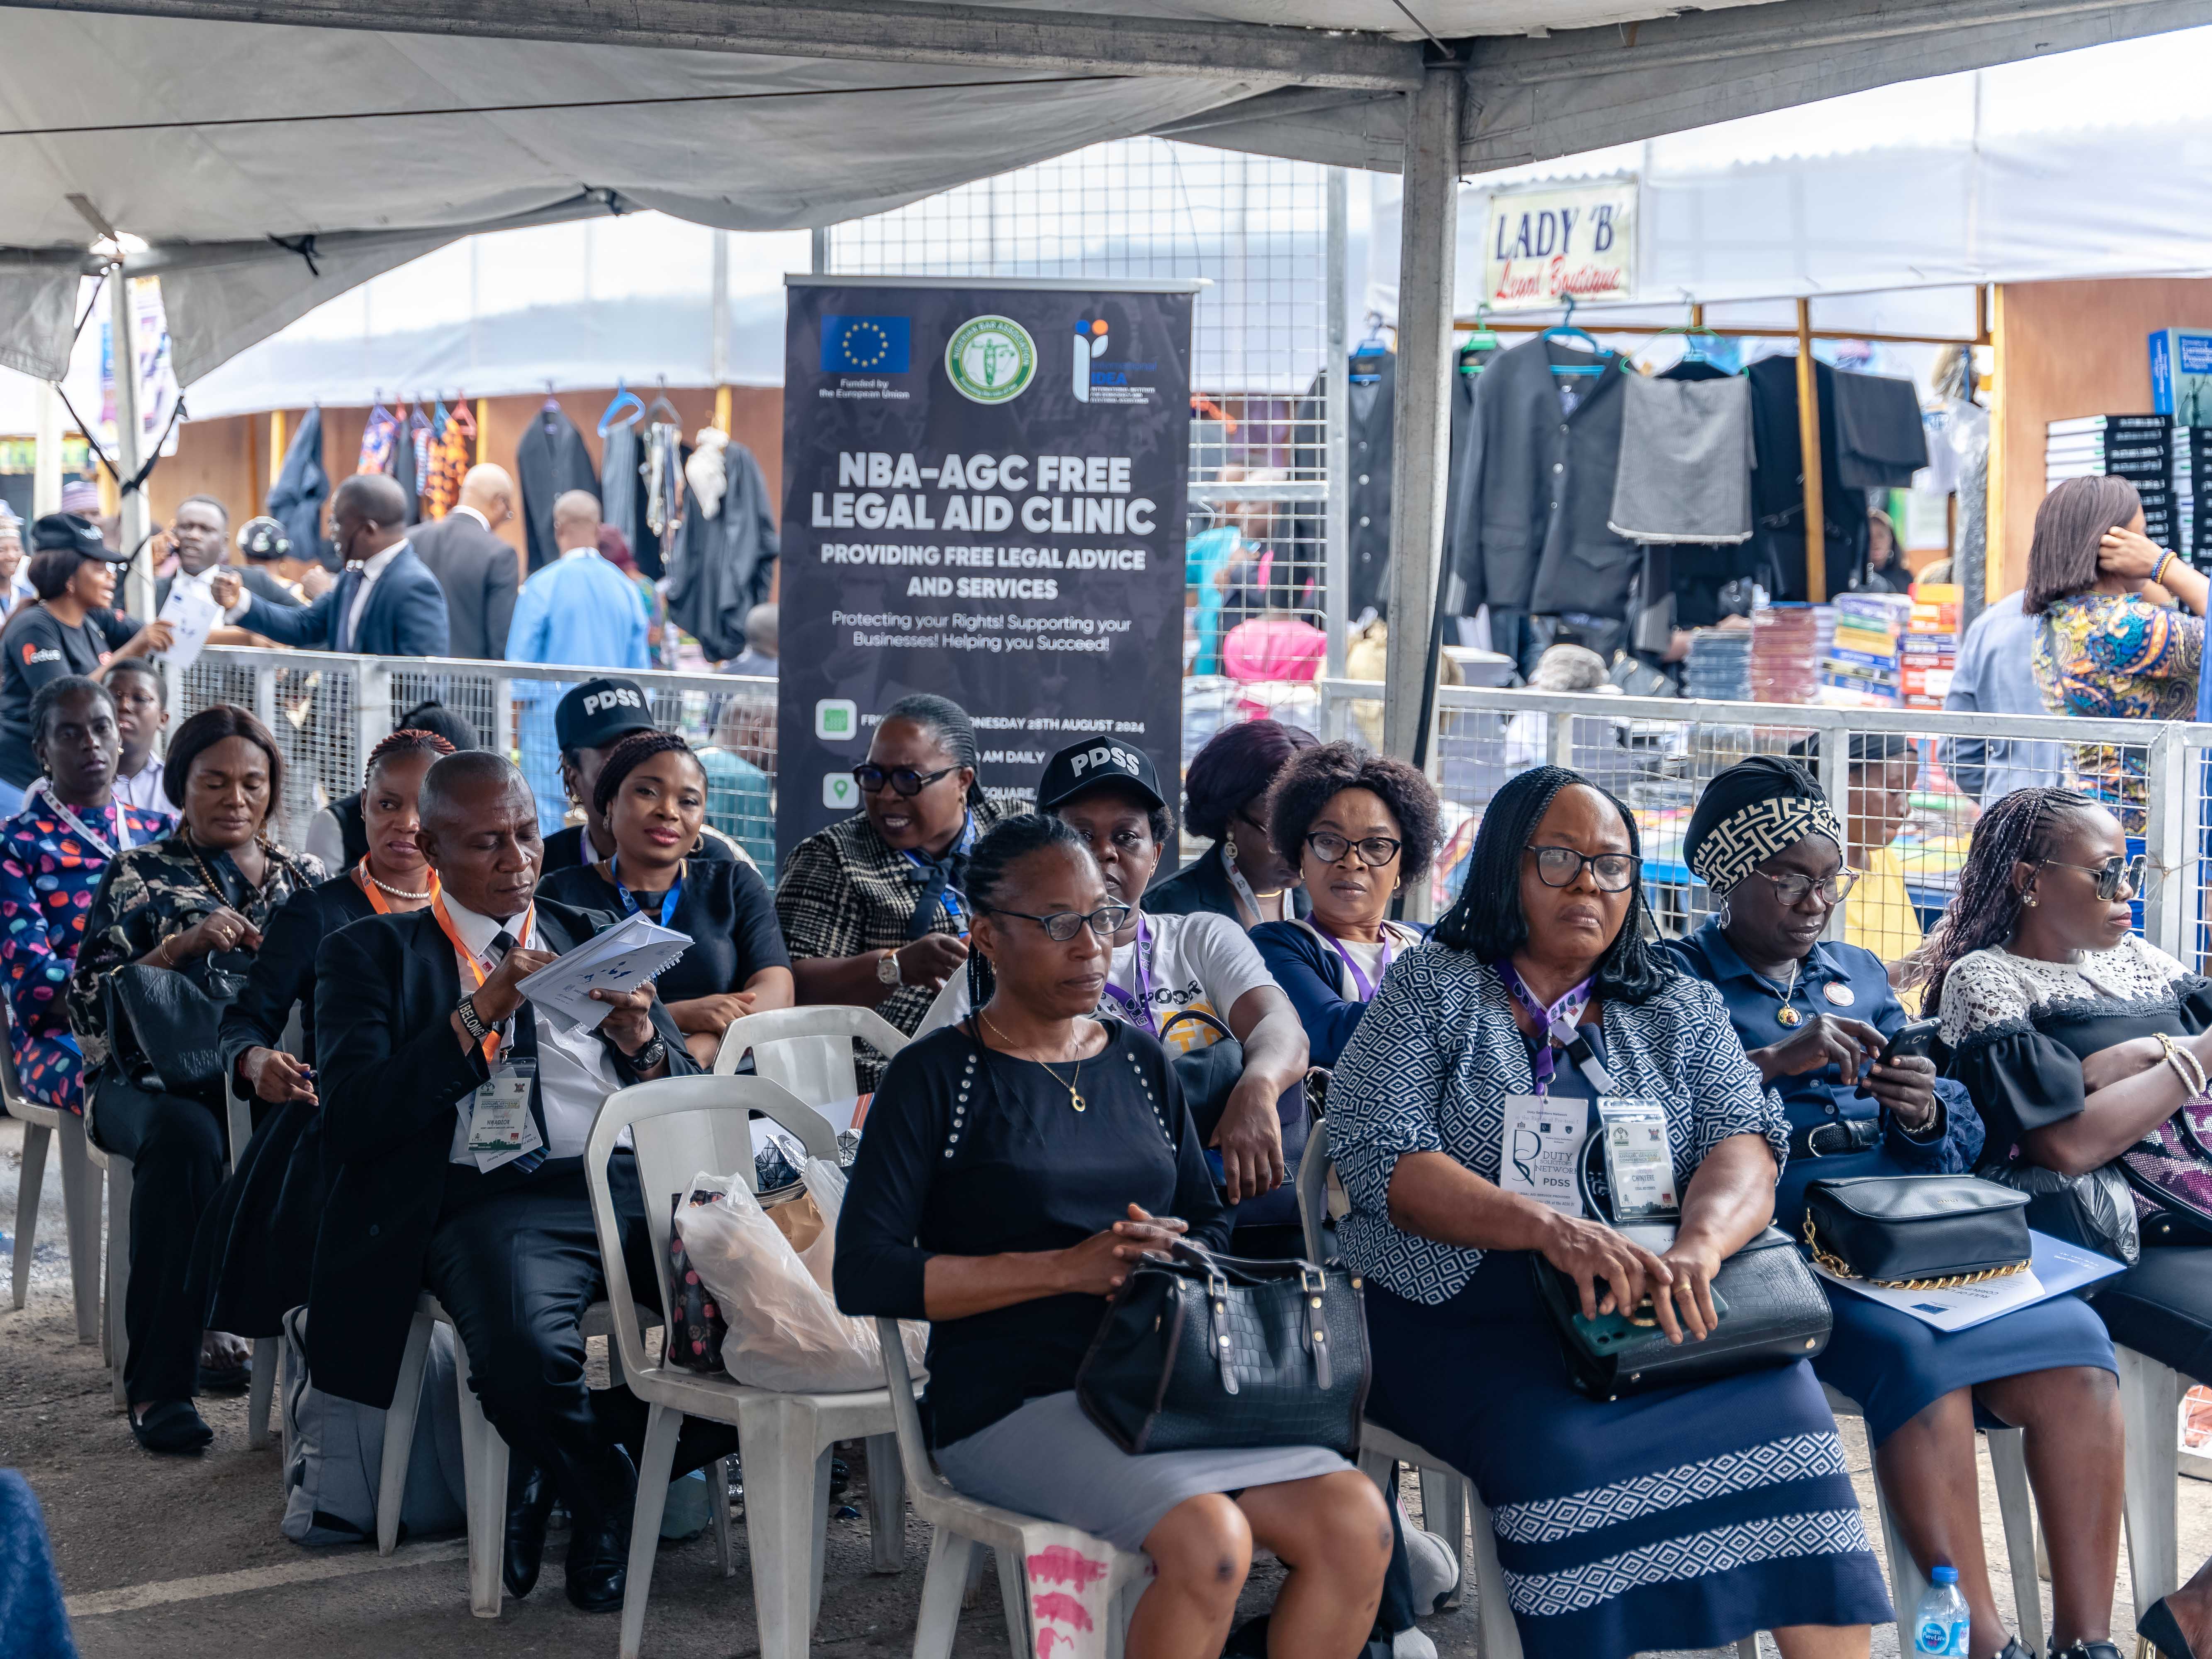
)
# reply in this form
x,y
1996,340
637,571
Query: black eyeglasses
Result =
x,y
2110,874
1374,850
1062,925
909,782
1558,867
1790,891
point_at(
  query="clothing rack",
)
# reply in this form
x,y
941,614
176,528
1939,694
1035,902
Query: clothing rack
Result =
x,y
1808,403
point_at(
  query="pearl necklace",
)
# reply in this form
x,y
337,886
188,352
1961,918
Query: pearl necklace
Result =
x,y
387,888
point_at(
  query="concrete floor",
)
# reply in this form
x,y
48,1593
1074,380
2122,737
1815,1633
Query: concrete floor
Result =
x,y
182,1558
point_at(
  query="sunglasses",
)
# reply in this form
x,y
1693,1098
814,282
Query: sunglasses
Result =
x,y
2110,874
909,782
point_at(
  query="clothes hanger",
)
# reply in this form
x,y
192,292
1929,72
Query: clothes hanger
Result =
x,y
1567,331
1484,338
625,409
1372,349
661,412
1693,337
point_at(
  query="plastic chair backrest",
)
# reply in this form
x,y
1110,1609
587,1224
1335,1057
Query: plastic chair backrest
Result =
x,y
921,1475
1312,1187
679,1127
808,1051
12,1098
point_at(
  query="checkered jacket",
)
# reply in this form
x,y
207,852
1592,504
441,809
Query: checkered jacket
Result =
x,y
844,892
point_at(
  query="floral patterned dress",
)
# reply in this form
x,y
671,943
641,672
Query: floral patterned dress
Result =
x,y
48,871
2117,656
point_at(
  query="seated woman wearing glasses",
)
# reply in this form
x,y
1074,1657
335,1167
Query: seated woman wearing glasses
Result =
x,y
1015,1165
1813,1016
871,907
1357,828
1682,1517
2076,1038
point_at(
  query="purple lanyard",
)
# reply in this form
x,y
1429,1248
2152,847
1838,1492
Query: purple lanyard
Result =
x,y
1566,1014
1137,1008
1358,975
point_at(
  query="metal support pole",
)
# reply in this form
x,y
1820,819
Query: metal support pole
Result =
x,y
718,332
818,253
134,520
1336,393
1808,446
46,463
1428,246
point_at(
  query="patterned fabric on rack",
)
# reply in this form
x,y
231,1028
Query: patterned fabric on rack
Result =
x,y
425,436
377,440
449,465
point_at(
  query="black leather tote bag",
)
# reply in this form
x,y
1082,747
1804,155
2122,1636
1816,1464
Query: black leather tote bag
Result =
x,y
1200,1351
1917,1233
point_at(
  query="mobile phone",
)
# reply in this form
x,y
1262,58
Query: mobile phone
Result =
x,y
1914,1040
1609,1332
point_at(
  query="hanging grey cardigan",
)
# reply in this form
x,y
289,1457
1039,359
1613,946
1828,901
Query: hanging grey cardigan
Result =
x,y
1685,461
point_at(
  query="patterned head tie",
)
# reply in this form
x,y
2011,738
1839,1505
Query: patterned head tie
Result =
x,y
1757,808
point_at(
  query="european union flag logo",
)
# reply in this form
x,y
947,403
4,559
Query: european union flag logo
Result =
x,y
865,345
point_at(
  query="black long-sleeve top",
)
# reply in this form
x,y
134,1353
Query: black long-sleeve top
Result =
x,y
971,1152
284,972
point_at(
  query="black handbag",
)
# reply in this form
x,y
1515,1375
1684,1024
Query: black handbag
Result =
x,y
1199,1351
162,1027
1772,1312
1208,1075
1917,1233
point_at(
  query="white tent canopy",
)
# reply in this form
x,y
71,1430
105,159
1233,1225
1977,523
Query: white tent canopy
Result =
x,y
382,131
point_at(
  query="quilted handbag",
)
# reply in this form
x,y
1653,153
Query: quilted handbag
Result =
x,y
1200,1351
1917,1233
1773,1311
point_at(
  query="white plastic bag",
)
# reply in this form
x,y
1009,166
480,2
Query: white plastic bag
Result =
x,y
785,1330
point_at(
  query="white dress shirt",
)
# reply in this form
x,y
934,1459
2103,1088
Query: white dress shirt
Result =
x,y
142,789
473,513
574,1074
376,565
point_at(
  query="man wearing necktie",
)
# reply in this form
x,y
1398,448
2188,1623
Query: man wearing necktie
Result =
x,y
386,604
455,1119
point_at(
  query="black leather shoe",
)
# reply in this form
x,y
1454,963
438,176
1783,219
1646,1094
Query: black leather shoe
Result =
x,y
2159,1627
172,1427
2088,1650
530,1495
2012,1649
598,1545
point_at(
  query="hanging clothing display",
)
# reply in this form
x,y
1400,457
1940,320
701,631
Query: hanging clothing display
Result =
x,y
1686,456
377,439
296,500
403,464
725,546
550,461
619,504
1777,485
1462,543
423,435
663,472
455,454
1880,440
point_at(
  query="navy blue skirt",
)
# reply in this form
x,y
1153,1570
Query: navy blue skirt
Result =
x,y
1682,1519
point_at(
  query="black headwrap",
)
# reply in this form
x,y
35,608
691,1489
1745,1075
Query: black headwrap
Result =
x,y
1757,808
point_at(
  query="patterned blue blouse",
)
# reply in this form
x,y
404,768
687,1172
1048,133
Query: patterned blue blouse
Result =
x,y
1431,1065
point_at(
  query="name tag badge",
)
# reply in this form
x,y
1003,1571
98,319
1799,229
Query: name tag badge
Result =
x,y
1543,1150
500,1125
1639,1159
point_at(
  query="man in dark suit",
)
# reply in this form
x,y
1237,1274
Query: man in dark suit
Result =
x,y
478,571
386,604
421,1038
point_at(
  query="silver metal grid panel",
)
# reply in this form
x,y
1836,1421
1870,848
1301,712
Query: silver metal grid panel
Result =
x,y
1257,229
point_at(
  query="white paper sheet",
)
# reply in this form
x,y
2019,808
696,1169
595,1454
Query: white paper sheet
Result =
x,y
191,613
621,959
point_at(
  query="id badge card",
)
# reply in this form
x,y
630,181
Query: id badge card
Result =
x,y
1639,1160
501,1127
1542,1153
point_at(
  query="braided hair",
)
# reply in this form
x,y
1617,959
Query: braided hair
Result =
x,y
955,732
1488,920
2023,827
632,752
407,740
990,868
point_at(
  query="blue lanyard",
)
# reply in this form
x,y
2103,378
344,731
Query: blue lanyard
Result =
x,y
630,906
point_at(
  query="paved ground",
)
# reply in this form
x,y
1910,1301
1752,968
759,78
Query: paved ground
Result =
x,y
182,1558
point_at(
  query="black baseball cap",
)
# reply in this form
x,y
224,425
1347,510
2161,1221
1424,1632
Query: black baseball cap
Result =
x,y
73,532
264,541
600,712
1084,766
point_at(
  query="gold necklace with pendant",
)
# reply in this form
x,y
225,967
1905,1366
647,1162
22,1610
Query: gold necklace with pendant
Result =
x,y
1787,1015
1074,1096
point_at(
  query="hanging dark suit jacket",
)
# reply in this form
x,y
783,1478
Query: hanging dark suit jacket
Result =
x,y
550,461
406,615
477,571
393,1075
1368,445
1777,481
724,564
1462,549
296,499
1546,486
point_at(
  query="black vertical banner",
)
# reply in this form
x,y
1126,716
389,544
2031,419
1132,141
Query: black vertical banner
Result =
x,y
983,497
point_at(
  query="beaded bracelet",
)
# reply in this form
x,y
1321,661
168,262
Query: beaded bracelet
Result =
x,y
2159,569
2185,1065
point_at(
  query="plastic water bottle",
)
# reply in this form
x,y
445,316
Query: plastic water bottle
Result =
x,y
1941,1626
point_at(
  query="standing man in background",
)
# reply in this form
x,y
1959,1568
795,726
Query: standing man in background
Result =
x,y
479,571
201,532
386,604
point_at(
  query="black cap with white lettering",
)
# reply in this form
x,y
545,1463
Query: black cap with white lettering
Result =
x,y
75,533
602,712
1084,766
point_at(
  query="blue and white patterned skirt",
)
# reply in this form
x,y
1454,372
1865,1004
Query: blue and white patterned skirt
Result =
x,y
1683,1518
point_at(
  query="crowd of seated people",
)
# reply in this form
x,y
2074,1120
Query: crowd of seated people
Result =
x,y
1058,1117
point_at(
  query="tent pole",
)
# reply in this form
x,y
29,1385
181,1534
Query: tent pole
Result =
x,y
484,430
132,508
1336,391
1427,256
46,462
276,443
717,333
1808,446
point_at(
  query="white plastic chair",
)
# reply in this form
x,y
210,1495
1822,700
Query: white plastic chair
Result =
x,y
2150,1406
82,1184
679,1127
808,1051
115,1340
1081,1589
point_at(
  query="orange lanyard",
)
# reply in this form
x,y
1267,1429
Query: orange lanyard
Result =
x,y
366,883
476,966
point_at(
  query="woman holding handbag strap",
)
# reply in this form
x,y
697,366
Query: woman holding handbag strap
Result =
x,y
2076,1038
1679,1517
1013,1168
1813,1016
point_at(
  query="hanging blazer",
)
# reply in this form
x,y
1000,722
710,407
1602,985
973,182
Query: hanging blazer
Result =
x,y
550,460
393,1078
